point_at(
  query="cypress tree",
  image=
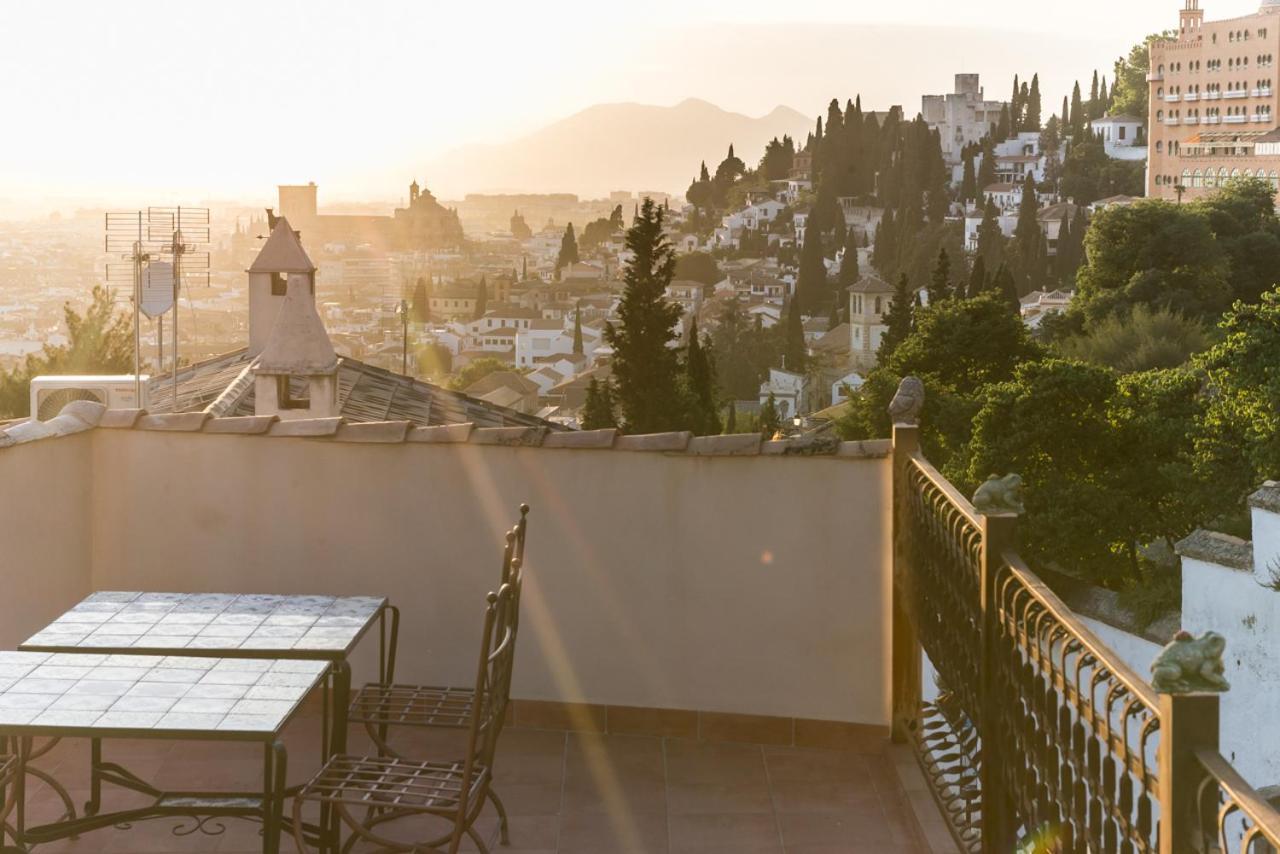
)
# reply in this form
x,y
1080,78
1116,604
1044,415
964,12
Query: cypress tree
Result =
x,y
1004,284
568,248
524,268
699,374
1032,120
578,348
986,171
939,279
1104,100
898,320
1093,95
793,344
482,298
703,175
769,421
421,301
645,368
811,284
849,272
969,183
1005,124
1028,240
1015,105
977,277
1077,113
598,411
731,420
990,237
1065,117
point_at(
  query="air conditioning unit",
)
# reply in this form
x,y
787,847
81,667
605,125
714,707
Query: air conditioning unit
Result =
x,y
50,394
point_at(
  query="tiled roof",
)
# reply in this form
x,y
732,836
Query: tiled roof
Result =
x,y
366,393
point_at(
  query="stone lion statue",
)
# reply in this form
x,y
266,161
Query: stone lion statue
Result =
x,y
1190,664
999,495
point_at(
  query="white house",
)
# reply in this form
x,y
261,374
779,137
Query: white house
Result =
x,y
841,387
1122,136
790,392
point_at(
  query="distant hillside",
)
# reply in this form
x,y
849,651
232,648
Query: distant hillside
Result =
x,y
613,147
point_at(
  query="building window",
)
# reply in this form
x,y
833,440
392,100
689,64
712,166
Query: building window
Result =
x,y
285,398
279,285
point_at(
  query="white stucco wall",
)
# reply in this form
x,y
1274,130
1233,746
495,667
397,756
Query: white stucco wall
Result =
x,y
741,584
45,498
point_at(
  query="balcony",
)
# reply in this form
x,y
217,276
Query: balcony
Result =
x,y
1191,96
1264,92
1213,120
1235,120
1191,120
1212,96
1236,93
704,672
1154,76
1171,121
1171,99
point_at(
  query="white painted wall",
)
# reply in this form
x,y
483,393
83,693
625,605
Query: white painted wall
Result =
x,y
654,580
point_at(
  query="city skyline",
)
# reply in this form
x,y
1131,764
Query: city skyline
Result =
x,y
388,94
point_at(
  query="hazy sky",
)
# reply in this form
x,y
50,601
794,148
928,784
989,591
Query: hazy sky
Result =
x,y
226,98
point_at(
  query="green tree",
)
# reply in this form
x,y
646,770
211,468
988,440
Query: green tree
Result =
x,y
969,182
1031,118
898,320
1088,174
940,280
990,236
1077,120
698,267
700,386
99,341
475,371
482,298
1152,253
1144,339
1240,445
977,277
599,411
645,368
421,311
1130,89
1028,254
849,272
811,286
770,423
1242,217
743,351
578,347
794,348
568,249
987,168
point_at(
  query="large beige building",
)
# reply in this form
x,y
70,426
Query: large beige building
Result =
x,y
1212,100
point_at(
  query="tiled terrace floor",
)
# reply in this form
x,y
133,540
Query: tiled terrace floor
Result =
x,y
572,793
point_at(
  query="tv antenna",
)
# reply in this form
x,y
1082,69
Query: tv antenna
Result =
x,y
163,247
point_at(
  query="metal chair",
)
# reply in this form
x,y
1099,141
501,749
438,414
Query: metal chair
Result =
x,y
8,793
366,792
384,707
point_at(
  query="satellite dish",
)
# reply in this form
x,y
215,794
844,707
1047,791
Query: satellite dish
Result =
x,y
157,288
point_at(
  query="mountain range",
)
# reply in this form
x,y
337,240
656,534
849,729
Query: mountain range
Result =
x,y
613,147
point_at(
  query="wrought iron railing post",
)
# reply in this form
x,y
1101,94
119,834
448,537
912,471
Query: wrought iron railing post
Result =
x,y
998,826
1188,722
905,653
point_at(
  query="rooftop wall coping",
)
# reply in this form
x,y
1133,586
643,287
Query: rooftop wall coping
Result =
x,y
1267,497
1214,547
81,416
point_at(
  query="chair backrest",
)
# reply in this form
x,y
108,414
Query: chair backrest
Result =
x,y
493,676
514,549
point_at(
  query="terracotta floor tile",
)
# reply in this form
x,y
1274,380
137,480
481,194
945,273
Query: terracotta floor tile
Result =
x,y
717,798
704,834
808,796
696,762
629,833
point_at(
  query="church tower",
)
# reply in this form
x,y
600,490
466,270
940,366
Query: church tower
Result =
x,y
1190,21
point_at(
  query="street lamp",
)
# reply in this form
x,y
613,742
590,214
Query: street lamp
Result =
x,y
403,311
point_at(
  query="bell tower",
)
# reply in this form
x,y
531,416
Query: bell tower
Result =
x,y
1190,21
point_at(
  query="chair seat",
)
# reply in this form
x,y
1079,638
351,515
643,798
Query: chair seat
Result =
x,y
7,766
412,705
398,785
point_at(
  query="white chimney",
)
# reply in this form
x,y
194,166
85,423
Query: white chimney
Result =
x,y
296,374
281,257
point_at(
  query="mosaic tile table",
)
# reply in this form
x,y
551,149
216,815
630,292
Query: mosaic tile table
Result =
x,y
105,696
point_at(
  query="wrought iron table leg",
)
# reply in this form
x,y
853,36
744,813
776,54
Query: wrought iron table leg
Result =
x,y
275,768
341,699
94,803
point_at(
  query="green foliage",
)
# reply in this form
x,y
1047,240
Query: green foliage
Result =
x,y
1242,217
99,341
1088,174
1153,253
482,298
794,350
476,371
1028,254
599,411
600,231
1142,340
1130,89
743,350
769,422
434,361
779,157
703,416
421,311
644,366
940,279
698,267
957,348
1240,445
849,272
812,287
578,346
568,249
1107,462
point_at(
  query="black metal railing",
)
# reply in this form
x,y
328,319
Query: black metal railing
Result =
x,y
1039,735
